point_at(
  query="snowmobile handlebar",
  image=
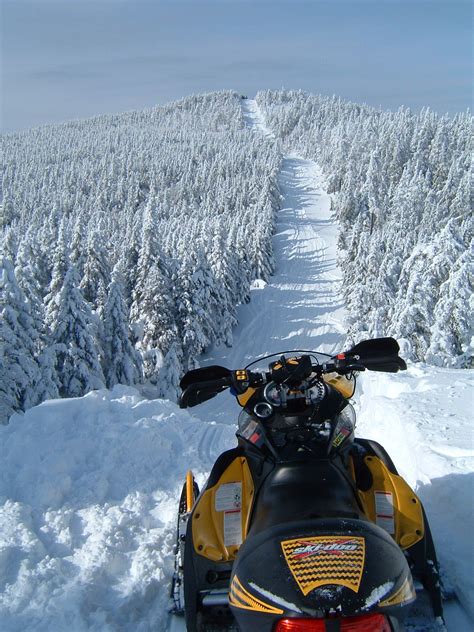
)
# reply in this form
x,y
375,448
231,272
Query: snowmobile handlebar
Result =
x,y
379,354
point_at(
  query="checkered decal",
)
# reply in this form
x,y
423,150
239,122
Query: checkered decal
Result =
x,y
325,560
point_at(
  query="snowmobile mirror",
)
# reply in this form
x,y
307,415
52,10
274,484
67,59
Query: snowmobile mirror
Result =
x,y
204,374
378,354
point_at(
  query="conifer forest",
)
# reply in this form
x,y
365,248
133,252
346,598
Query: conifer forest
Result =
x,y
128,241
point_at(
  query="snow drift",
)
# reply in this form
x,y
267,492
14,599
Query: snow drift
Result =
x,y
88,489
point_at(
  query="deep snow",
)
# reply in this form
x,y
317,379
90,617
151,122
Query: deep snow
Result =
x,y
89,486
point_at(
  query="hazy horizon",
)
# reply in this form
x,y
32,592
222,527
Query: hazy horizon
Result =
x,y
67,59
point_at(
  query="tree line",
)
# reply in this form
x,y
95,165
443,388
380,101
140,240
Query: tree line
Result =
x,y
127,242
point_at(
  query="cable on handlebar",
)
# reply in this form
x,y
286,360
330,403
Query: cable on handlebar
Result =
x,y
271,355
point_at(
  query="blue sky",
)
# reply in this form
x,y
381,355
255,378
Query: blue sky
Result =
x,y
64,59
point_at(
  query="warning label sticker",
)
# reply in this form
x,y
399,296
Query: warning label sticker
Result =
x,y
384,511
229,497
232,528
249,429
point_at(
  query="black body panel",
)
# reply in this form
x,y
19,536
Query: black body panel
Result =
x,y
261,565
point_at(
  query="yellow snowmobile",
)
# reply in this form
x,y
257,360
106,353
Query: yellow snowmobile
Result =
x,y
302,527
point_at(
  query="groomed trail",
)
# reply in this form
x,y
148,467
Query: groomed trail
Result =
x,y
302,308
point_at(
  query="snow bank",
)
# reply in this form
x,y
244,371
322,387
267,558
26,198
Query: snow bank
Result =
x,y
88,495
423,417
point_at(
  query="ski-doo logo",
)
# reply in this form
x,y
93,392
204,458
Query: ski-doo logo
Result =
x,y
324,560
336,548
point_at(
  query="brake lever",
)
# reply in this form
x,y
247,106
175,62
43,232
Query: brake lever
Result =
x,y
342,366
354,367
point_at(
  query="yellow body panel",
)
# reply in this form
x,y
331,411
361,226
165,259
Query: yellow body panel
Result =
x,y
189,491
216,516
244,398
341,383
407,513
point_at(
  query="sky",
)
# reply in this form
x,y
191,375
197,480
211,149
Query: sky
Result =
x,y
68,59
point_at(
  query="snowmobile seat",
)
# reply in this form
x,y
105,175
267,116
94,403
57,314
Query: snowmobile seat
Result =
x,y
298,491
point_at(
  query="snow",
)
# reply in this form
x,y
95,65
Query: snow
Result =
x,y
377,594
424,418
275,598
89,486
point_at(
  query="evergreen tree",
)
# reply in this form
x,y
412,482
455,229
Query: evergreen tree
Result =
x,y
61,263
25,270
96,277
77,354
121,362
78,246
152,310
19,370
171,373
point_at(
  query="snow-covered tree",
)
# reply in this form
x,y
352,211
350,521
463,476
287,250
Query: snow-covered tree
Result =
x,y
60,266
96,271
19,369
77,353
121,362
171,373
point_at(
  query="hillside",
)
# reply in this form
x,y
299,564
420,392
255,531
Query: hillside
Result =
x,y
128,241
149,225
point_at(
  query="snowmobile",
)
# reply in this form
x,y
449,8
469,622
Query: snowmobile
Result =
x,y
302,526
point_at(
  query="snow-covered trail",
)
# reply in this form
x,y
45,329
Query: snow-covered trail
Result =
x,y
254,119
302,306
